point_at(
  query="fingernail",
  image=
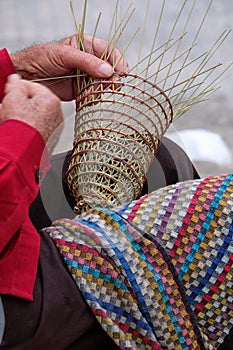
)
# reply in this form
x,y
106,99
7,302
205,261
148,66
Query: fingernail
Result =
x,y
13,77
106,70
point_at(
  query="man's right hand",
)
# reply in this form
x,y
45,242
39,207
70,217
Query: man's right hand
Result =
x,y
33,104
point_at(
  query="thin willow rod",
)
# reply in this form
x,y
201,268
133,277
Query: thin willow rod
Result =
x,y
188,103
116,21
217,78
109,39
83,24
81,47
93,38
79,33
157,57
184,30
164,67
182,82
92,43
194,76
58,78
176,71
143,32
155,37
205,89
95,29
221,75
197,33
187,106
191,100
120,15
171,34
116,38
217,44
209,55
209,71
150,54
75,22
206,59
184,107
203,20
65,77
186,90
126,48
167,65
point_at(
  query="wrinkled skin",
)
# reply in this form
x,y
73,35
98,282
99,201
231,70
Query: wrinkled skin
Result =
x,y
62,58
33,104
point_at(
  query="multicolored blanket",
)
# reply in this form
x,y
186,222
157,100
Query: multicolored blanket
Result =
x,y
157,272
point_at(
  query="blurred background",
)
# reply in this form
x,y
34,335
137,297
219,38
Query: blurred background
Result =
x,y
206,131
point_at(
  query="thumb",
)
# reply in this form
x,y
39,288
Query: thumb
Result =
x,y
13,78
26,89
86,62
12,81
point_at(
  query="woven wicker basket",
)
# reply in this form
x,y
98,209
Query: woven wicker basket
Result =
x,y
117,132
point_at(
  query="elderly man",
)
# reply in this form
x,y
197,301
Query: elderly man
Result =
x,y
42,306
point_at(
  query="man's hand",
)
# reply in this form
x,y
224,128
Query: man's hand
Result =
x,y
62,58
33,104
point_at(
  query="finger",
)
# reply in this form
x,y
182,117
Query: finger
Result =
x,y
102,49
86,62
13,78
14,90
24,89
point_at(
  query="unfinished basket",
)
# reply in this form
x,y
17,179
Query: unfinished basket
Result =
x,y
118,126
117,132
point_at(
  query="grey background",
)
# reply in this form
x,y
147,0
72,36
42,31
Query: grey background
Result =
x,y
25,22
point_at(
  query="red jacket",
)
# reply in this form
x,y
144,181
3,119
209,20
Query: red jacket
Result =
x,y
6,68
21,150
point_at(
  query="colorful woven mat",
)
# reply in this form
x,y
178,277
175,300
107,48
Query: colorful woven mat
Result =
x,y
157,272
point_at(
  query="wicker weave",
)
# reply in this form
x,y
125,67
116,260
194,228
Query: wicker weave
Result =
x,y
117,132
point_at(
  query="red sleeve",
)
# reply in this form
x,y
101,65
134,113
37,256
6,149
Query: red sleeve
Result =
x,y
23,163
6,68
